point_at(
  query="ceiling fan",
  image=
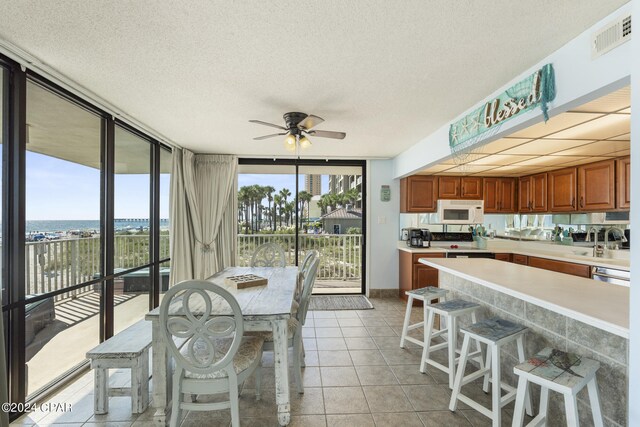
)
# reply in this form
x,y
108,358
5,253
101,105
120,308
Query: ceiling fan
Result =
x,y
297,127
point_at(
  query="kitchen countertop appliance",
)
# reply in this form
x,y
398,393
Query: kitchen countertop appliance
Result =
x,y
459,212
611,275
404,235
419,238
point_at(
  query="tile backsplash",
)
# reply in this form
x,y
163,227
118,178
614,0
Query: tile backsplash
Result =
x,y
512,226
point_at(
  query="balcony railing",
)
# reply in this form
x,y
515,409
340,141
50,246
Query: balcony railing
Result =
x,y
59,264
340,254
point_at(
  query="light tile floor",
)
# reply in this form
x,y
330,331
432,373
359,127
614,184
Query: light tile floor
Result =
x,y
356,375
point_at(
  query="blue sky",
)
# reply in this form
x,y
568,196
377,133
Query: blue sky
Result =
x,y
62,190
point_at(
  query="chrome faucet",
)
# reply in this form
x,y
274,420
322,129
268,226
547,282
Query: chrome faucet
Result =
x,y
609,230
598,250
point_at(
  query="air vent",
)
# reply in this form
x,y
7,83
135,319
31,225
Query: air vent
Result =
x,y
611,36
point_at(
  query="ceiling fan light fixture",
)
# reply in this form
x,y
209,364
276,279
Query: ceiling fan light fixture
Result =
x,y
290,141
304,142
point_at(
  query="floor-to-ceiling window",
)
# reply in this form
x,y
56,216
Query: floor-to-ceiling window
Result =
x,y
131,228
84,248
303,205
163,244
63,242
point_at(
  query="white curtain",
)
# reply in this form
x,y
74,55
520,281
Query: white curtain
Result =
x,y
204,205
181,234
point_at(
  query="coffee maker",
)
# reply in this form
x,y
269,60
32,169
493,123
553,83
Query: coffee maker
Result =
x,y
419,238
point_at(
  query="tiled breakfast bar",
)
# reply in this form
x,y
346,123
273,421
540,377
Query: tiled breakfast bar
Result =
x,y
565,312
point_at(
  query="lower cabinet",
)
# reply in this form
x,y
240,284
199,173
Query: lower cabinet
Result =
x,y
580,270
504,257
415,275
520,259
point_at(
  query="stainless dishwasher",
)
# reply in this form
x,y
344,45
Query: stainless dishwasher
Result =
x,y
611,275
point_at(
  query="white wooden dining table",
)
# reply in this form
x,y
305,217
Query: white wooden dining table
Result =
x,y
264,308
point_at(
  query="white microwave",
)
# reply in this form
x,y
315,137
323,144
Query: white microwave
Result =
x,y
460,212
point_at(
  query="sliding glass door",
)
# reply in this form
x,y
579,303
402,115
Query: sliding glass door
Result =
x,y
63,241
304,205
84,248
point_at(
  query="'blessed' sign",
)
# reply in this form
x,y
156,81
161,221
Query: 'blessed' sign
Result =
x,y
537,89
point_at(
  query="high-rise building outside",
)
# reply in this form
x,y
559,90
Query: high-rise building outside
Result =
x,y
312,184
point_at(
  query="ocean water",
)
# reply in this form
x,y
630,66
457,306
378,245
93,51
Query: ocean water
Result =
x,y
46,226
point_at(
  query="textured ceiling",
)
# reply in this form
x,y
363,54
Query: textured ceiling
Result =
x,y
386,73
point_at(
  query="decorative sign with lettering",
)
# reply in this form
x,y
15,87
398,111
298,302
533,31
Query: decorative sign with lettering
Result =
x,y
537,89
385,193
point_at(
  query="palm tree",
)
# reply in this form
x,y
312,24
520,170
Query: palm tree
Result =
x,y
352,196
277,201
284,193
304,197
323,203
289,209
269,190
332,201
243,204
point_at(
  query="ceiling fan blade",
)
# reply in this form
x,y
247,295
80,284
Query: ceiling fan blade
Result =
x,y
260,122
269,136
310,121
327,134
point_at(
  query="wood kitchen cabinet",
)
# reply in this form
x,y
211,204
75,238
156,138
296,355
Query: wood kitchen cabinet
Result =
x,y
418,194
532,193
623,168
504,257
415,275
574,269
455,187
499,195
562,190
596,186
520,259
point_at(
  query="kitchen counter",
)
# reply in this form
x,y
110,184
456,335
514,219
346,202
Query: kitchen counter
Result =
x,y
601,305
566,312
567,256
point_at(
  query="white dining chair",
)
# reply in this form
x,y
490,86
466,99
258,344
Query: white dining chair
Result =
x,y
303,269
212,355
294,333
268,255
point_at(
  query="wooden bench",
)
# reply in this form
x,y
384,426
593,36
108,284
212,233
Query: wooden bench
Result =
x,y
127,349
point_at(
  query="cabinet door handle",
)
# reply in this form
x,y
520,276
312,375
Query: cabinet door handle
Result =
x,y
582,202
573,202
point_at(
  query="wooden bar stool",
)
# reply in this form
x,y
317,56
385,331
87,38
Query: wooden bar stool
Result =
x,y
495,333
565,373
450,311
425,295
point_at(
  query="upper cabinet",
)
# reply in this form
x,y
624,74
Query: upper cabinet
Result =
x,y
532,196
623,181
593,187
449,187
471,188
455,187
562,190
418,193
499,195
596,186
